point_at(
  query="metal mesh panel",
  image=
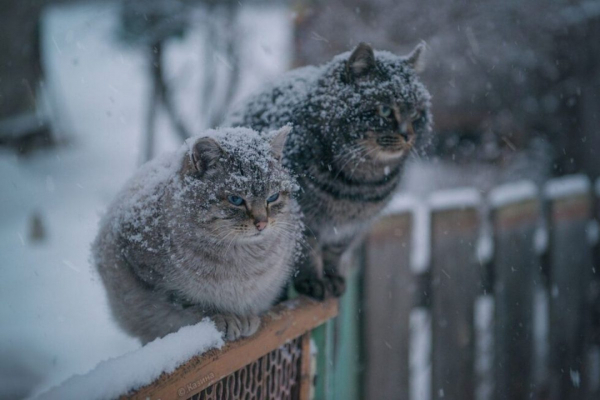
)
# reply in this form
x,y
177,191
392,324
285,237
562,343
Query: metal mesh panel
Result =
x,y
274,376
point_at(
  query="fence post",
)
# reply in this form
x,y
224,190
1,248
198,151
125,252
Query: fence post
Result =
x,y
594,356
515,216
348,355
570,278
388,289
456,281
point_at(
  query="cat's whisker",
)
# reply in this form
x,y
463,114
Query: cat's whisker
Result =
x,y
350,151
221,240
289,225
362,160
415,153
229,246
352,156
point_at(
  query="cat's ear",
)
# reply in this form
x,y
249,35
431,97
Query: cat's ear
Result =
x,y
278,141
416,58
204,155
361,61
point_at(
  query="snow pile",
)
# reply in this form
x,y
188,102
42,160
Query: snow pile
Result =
x,y
115,377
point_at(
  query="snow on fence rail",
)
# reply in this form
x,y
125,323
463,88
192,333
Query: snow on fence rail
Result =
x,y
194,363
520,321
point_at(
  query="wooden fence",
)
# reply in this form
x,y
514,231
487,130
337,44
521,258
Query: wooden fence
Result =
x,y
485,297
273,364
459,296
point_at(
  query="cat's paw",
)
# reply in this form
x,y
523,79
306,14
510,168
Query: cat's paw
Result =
x,y
335,284
311,287
235,327
250,325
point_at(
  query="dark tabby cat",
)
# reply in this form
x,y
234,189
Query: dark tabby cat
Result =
x,y
208,231
355,121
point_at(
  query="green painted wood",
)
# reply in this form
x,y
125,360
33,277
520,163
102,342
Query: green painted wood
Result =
x,y
347,368
323,339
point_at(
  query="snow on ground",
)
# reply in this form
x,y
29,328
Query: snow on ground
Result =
x,y
54,319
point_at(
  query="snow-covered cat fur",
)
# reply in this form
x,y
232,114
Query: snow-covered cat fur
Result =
x,y
173,248
355,120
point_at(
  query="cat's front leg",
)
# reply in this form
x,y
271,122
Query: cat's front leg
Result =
x,y
332,254
236,326
308,278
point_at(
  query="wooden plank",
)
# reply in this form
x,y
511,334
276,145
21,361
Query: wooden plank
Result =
x,y
456,281
388,298
305,374
284,322
570,276
517,274
323,338
594,355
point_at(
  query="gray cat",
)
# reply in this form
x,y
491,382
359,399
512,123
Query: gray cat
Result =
x,y
355,121
208,231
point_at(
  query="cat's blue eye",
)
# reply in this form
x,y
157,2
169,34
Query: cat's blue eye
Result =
x,y
273,198
235,200
385,111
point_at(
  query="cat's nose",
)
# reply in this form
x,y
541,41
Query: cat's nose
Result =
x,y
260,224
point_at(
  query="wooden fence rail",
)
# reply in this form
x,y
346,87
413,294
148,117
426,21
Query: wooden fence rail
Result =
x,y
273,364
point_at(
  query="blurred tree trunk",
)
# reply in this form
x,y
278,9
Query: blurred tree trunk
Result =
x,y
23,125
20,64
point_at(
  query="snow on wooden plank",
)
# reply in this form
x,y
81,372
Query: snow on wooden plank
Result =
x,y
571,185
454,199
514,192
400,204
